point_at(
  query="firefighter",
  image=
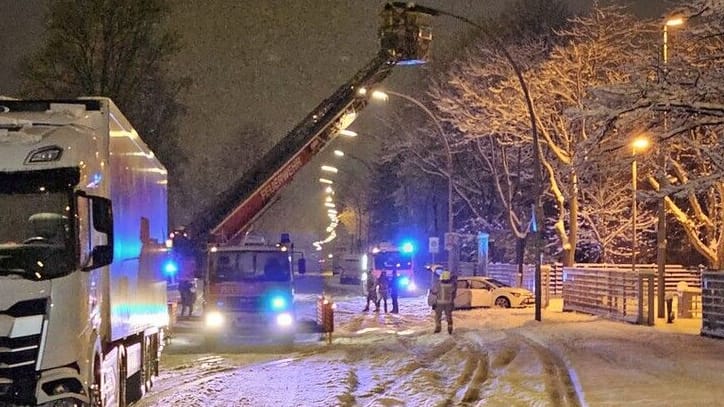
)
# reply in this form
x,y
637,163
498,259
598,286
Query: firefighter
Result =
x,y
444,293
371,288
383,286
394,291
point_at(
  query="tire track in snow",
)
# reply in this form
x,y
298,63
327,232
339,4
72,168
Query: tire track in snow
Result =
x,y
560,386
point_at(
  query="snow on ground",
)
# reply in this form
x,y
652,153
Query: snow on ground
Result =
x,y
495,357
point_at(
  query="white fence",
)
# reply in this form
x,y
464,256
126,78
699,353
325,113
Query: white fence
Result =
x,y
609,290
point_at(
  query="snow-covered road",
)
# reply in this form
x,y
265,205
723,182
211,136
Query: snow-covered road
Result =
x,y
495,357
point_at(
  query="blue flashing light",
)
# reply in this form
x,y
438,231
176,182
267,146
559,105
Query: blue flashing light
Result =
x,y
278,303
407,247
170,267
404,281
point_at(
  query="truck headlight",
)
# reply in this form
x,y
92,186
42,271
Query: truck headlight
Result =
x,y
411,286
285,319
214,319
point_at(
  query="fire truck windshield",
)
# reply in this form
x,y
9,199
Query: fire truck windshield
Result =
x,y
392,260
230,266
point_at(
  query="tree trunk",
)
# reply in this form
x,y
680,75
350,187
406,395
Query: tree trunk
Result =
x,y
570,252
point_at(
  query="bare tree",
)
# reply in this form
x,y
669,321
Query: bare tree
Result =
x,y
119,49
481,97
679,103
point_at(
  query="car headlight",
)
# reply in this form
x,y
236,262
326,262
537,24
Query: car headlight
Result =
x,y
214,319
285,319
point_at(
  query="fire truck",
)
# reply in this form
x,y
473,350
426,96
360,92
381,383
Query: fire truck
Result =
x,y
234,285
388,258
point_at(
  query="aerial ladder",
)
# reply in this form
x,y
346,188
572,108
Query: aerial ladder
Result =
x,y
405,39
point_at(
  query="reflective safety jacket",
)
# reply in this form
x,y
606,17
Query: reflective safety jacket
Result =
x,y
445,292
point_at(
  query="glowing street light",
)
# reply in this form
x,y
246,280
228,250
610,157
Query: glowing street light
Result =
x,y
638,145
348,133
672,22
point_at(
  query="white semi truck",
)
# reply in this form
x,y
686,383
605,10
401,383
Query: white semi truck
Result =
x,y
83,216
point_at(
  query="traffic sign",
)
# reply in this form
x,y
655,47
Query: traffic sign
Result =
x,y
434,245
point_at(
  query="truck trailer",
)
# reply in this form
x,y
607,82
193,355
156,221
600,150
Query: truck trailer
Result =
x,y
83,304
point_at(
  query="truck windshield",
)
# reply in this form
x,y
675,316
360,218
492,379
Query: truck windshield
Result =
x,y
392,260
250,266
35,226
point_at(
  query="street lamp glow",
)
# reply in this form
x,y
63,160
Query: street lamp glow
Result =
x,y
640,144
329,168
326,181
380,95
675,21
339,153
348,133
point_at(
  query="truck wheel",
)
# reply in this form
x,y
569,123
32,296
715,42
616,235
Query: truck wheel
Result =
x,y
122,372
96,399
134,387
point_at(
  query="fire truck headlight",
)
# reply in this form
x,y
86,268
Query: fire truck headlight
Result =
x,y
214,319
285,319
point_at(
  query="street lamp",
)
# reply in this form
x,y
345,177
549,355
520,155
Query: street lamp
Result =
x,y
661,207
384,96
538,153
639,144
348,133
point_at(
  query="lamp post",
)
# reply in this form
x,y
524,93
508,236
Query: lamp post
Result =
x,y
453,255
638,145
661,205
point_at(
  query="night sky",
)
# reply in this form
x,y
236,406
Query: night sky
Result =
x,y
266,64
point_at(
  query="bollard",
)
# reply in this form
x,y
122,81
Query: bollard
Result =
x,y
325,317
669,309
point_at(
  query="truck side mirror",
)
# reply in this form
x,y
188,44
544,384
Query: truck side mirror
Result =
x,y
102,255
302,265
102,216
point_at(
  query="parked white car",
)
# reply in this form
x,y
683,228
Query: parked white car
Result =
x,y
478,291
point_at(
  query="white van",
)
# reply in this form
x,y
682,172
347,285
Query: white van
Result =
x,y
350,269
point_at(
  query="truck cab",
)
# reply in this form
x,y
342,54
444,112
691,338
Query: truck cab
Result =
x,y
389,257
250,292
